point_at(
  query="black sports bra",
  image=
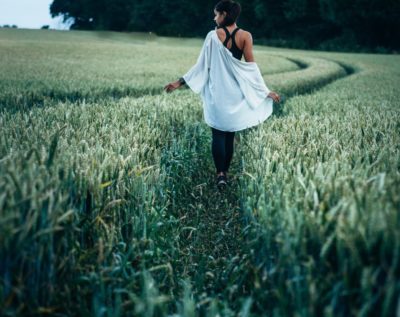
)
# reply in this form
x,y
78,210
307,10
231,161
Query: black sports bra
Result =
x,y
236,52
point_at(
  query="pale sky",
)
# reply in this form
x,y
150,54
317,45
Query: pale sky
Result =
x,y
29,14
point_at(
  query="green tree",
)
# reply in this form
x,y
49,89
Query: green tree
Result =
x,y
298,23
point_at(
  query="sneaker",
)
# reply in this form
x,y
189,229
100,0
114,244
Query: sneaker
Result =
x,y
221,181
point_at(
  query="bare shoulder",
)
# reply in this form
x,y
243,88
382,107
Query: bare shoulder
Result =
x,y
244,38
220,31
246,35
221,34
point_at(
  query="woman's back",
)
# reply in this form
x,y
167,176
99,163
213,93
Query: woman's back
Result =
x,y
238,41
230,42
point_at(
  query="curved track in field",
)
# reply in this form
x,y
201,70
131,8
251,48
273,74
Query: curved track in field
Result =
x,y
288,79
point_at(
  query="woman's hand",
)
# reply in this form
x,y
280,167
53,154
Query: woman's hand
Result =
x,y
172,86
274,96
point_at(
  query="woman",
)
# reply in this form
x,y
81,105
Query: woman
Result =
x,y
234,94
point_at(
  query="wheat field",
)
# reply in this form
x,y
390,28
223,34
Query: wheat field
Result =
x,y
108,205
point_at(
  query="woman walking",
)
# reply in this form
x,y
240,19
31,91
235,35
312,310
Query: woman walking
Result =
x,y
234,94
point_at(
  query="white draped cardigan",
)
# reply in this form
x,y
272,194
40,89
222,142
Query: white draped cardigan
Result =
x,y
233,92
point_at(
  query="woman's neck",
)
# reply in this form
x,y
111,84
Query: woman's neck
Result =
x,y
231,27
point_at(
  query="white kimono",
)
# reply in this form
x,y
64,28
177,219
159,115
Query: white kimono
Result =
x,y
233,92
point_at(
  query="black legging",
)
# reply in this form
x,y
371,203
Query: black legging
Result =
x,y
222,149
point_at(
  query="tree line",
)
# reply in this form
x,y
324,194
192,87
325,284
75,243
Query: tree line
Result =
x,y
344,25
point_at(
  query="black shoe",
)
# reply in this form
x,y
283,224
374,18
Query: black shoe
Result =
x,y
221,181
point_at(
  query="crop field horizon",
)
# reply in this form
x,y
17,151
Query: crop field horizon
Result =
x,y
108,203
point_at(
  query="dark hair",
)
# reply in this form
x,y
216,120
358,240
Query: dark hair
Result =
x,y
232,10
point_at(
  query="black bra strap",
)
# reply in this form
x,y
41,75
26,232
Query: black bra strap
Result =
x,y
234,33
229,36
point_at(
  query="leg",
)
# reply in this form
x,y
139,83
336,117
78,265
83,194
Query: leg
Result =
x,y
230,137
218,149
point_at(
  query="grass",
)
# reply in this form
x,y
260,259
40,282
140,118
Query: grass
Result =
x,y
107,200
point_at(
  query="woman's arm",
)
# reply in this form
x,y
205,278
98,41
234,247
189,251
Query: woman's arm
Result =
x,y
197,75
249,57
172,86
248,47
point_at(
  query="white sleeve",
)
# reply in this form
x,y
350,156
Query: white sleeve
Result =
x,y
251,83
197,76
